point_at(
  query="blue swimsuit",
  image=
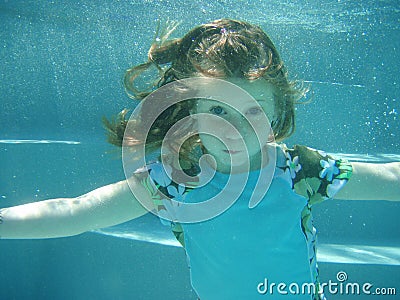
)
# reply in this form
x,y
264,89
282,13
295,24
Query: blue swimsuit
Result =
x,y
265,252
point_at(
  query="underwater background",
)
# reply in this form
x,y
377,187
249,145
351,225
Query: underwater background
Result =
x,y
62,64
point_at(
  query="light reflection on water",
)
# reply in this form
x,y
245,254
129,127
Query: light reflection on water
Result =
x,y
379,157
331,253
39,142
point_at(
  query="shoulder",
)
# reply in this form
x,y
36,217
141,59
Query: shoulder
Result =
x,y
315,174
165,182
167,187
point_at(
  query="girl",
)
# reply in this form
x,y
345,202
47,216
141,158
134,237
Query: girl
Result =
x,y
237,200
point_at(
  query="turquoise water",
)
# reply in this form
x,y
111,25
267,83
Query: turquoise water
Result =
x,y
62,68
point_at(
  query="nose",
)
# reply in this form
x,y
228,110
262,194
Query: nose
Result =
x,y
238,129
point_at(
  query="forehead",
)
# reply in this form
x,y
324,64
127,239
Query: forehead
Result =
x,y
239,92
258,89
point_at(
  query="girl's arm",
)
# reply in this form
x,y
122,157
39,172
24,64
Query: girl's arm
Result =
x,y
106,206
372,182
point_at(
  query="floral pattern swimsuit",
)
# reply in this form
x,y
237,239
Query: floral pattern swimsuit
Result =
x,y
278,234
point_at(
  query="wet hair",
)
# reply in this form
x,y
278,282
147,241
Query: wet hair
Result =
x,y
223,49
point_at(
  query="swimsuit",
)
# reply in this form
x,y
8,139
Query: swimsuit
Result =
x,y
245,253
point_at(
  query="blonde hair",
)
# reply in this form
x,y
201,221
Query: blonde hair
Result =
x,y
223,48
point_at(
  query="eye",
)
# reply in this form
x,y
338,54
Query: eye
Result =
x,y
254,111
217,110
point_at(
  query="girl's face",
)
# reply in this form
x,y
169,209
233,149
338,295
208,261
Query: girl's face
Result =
x,y
236,130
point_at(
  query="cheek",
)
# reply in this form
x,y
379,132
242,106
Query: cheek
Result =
x,y
259,134
205,121
269,110
210,125
210,142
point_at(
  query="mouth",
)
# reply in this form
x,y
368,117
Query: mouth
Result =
x,y
231,151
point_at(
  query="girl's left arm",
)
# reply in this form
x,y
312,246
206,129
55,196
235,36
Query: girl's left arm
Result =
x,y
371,181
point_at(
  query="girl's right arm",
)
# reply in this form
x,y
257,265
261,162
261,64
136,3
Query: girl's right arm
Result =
x,y
106,206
